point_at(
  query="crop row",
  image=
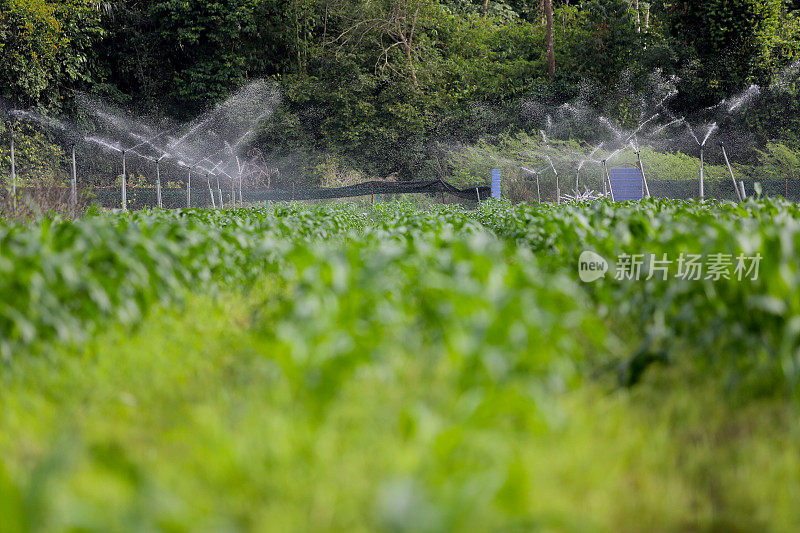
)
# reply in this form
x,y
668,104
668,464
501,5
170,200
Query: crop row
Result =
x,y
445,273
749,327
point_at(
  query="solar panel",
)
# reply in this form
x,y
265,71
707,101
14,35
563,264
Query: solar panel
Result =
x,y
626,184
496,181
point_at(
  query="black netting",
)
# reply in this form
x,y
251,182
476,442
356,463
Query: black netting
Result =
x,y
201,197
142,197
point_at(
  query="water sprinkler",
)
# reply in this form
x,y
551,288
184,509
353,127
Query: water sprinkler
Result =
x,y
151,139
711,130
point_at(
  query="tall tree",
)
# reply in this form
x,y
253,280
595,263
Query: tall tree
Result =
x,y
551,57
726,43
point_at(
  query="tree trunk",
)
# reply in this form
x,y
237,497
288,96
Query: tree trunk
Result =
x,y
638,17
297,38
409,57
485,8
551,58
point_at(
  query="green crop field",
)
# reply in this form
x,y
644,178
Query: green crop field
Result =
x,y
391,368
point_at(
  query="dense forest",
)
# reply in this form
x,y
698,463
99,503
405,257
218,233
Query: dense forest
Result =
x,y
373,84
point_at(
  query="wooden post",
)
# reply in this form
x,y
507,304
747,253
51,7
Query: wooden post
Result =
x,y
730,170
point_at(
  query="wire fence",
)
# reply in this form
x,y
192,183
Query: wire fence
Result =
x,y
205,194
548,191
202,196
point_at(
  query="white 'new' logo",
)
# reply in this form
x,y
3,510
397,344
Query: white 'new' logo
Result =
x,y
591,266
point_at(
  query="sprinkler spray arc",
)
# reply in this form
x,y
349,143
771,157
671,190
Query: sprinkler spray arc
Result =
x,y
536,175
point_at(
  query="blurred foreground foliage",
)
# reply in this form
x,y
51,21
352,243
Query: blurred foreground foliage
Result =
x,y
384,368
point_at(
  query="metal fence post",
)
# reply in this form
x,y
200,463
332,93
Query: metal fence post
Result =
x,y
730,170
211,192
73,184
124,184
558,192
603,176
158,183
641,169
13,174
702,169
